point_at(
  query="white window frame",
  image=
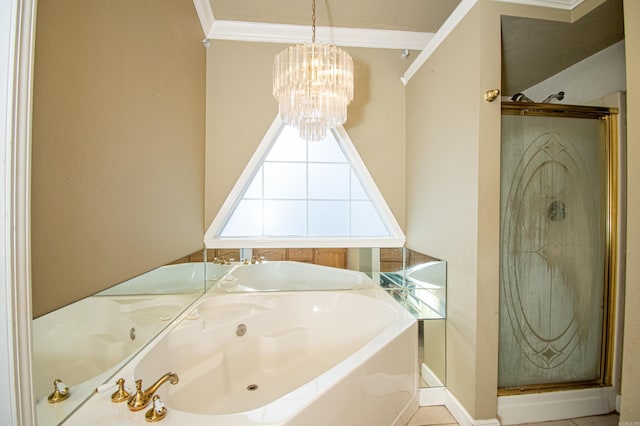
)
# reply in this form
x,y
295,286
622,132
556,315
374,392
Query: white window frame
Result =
x,y
212,237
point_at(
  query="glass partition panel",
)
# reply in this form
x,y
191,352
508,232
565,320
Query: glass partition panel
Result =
x,y
419,283
85,343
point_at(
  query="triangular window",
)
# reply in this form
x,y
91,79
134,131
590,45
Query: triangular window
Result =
x,y
304,194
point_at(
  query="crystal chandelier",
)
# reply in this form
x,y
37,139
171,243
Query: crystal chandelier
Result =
x,y
313,84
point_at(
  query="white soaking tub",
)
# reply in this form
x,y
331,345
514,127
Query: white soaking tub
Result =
x,y
289,275
304,359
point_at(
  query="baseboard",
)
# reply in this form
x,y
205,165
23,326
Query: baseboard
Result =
x,y
539,407
432,396
462,416
430,377
442,396
558,405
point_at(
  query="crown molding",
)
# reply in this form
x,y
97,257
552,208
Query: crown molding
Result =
x,y
214,29
289,34
557,4
205,14
353,37
452,21
459,13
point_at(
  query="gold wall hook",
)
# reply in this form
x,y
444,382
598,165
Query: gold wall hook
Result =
x,y
60,392
491,95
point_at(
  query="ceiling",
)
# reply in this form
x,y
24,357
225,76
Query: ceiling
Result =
x,y
404,15
532,49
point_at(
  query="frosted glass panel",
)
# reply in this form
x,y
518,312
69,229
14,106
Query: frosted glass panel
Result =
x,y
289,147
365,220
326,151
255,189
282,218
329,181
246,220
305,189
357,191
553,178
328,218
285,180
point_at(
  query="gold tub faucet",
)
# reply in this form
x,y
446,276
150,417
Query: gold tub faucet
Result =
x,y
141,398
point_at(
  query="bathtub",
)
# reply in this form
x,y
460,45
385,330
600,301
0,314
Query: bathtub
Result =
x,y
289,275
84,343
304,358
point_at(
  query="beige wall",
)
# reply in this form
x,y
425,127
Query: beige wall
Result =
x,y
453,152
453,163
118,143
240,109
630,403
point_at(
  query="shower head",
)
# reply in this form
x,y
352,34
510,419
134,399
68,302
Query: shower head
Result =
x,y
520,97
559,96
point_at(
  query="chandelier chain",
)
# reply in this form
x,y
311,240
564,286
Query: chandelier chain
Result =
x,y
313,21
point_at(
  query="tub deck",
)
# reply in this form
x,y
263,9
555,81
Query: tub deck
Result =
x,y
301,355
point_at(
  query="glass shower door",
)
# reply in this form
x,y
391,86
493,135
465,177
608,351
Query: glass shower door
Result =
x,y
554,233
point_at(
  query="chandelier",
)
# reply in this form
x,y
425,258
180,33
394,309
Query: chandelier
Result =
x,y
313,83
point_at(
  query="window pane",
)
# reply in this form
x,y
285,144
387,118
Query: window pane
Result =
x,y
285,180
328,218
285,218
357,191
288,147
329,181
304,189
246,220
326,150
255,189
365,220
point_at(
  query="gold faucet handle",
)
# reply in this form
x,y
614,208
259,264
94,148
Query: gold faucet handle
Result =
x,y
157,411
137,401
60,392
121,394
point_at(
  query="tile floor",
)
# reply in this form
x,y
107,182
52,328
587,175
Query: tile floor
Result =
x,y
439,415
433,415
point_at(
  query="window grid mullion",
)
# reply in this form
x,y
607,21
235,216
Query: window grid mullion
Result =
x,y
329,204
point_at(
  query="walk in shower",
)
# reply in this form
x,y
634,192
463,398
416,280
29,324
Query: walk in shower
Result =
x,y
558,198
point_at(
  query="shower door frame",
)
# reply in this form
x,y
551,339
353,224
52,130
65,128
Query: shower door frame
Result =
x,y
611,149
